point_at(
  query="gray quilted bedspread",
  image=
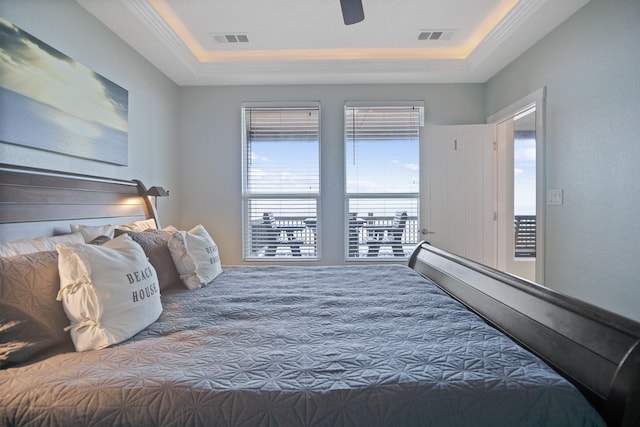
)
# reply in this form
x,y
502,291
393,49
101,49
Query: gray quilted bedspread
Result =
x,y
300,346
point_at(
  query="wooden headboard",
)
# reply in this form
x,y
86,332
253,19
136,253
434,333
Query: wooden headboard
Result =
x,y
39,202
595,349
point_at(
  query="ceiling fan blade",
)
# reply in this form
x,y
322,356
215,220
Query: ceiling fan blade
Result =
x,y
352,11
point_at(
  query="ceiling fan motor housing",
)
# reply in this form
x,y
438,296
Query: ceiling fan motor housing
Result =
x,y
352,11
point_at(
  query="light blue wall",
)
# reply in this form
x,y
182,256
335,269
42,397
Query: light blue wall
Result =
x,y
590,66
153,129
211,135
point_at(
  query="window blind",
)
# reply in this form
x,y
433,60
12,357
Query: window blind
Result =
x,y
381,145
394,122
282,150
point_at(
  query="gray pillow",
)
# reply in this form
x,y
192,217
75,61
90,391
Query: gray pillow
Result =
x,y
21,336
29,285
154,244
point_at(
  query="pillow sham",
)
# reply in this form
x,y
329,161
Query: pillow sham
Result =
x,y
21,336
196,257
28,246
109,292
154,243
31,283
19,247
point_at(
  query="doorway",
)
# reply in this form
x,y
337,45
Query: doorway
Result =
x,y
520,187
475,202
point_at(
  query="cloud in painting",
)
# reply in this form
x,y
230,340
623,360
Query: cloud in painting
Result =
x,y
36,70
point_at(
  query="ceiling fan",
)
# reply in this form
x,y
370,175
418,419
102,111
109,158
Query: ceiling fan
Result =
x,y
352,11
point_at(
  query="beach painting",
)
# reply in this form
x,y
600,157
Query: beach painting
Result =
x,y
50,102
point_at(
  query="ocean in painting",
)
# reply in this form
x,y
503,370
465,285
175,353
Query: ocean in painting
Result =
x,y
28,122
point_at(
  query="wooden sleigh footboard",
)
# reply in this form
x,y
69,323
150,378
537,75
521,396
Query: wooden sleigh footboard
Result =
x,y
595,349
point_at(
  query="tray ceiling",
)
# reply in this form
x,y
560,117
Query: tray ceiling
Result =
x,y
231,42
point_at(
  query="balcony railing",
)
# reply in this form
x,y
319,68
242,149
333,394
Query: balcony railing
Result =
x,y
304,229
525,236
361,231
358,233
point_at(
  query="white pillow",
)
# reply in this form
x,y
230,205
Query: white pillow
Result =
x,y
196,257
40,244
109,292
49,243
19,247
147,224
90,232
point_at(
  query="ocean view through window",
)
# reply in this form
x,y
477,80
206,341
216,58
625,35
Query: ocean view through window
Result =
x,y
382,189
281,181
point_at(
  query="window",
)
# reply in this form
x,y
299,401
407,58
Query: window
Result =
x,y
281,181
382,179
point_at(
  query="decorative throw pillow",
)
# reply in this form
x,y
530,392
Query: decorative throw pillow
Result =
x,y
154,244
30,283
21,336
109,292
196,257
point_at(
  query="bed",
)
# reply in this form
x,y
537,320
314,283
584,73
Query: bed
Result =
x,y
440,341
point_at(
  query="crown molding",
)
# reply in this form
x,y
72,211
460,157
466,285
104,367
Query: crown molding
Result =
x,y
517,17
146,13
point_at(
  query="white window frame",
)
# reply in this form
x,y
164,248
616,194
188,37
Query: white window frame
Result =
x,y
248,196
348,249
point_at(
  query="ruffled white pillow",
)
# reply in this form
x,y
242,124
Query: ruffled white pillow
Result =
x,y
196,257
109,292
90,232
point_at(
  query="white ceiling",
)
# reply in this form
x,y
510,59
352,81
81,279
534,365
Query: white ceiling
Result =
x,y
306,41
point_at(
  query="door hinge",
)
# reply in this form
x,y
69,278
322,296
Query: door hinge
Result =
x,y
495,146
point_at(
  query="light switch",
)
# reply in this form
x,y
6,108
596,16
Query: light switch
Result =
x,y
554,197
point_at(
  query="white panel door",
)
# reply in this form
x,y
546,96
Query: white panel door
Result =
x,y
457,187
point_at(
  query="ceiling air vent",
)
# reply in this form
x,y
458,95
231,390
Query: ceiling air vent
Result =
x,y
435,35
231,38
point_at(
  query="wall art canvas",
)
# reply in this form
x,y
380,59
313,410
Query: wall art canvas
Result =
x,y
50,102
